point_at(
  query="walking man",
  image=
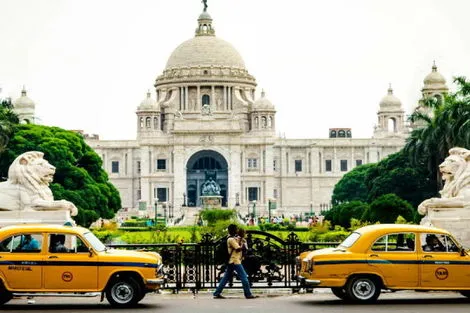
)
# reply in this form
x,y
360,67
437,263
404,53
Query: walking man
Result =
x,y
234,264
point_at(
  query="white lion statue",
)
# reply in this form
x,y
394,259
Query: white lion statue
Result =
x,y
455,171
27,187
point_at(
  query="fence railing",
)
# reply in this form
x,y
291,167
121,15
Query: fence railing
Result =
x,y
269,263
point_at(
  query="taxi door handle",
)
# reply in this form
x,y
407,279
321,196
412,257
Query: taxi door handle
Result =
x,y
53,257
428,256
374,255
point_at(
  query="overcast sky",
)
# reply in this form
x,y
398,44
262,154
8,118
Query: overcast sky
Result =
x,y
87,64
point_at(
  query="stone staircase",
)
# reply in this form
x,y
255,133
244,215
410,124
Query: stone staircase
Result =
x,y
190,216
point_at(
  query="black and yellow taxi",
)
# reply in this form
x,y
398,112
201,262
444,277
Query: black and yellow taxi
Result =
x,y
44,260
388,256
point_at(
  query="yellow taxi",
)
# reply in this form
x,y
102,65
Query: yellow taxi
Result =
x,y
387,256
45,260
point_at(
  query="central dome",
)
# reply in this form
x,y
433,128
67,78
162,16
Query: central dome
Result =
x,y
205,51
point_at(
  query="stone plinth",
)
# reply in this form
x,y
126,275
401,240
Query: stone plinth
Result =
x,y
455,220
33,217
211,202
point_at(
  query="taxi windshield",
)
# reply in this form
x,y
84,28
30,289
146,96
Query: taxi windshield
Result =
x,y
350,240
94,242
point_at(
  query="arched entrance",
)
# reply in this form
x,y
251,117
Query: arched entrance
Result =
x,y
201,166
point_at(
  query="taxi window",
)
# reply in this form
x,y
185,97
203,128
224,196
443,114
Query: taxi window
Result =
x,y
398,242
438,243
66,243
350,240
24,243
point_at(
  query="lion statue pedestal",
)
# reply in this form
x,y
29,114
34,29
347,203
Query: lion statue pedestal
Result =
x,y
452,210
26,197
39,217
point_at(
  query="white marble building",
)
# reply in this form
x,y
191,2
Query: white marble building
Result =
x,y
205,121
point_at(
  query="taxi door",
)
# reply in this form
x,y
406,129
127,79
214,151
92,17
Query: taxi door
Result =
x,y
396,259
22,268
70,268
443,266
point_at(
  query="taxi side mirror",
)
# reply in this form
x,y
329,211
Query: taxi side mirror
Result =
x,y
90,251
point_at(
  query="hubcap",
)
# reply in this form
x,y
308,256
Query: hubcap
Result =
x,y
364,289
122,293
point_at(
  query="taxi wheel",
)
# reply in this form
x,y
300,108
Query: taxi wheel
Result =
x,y
363,289
5,295
124,292
339,292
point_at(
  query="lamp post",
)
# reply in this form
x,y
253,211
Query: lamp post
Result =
x,y
184,198
254,209
311,210
164,211
156,206
269,211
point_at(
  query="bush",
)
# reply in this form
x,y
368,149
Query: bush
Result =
x,y
212,216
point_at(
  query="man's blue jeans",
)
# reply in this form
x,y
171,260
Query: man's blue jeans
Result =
x,y
228,275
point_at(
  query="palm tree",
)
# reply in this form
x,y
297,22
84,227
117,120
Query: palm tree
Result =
x,y
444,124
8,121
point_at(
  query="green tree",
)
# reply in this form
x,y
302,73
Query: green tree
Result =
x,y
8,122
447,126
79,177
396,174
387,208
352,185
341,214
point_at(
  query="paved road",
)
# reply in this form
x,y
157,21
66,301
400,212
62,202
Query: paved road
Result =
x,y
318,302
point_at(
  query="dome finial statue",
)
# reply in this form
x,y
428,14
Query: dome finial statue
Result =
x,y
205,5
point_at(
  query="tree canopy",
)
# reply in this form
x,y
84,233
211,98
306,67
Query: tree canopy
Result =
x,y
447,126
386,209
8,121
79,176
352,185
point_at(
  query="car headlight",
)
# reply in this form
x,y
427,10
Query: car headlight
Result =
x,y
308,264
159,271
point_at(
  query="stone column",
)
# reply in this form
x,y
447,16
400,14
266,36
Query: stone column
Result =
x,y
213,103
198,99
145,183
179,176
234,177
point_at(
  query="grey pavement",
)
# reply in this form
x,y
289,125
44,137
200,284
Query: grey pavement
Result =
x,y
270,301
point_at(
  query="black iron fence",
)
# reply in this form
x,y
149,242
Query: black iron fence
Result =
x,y
269,262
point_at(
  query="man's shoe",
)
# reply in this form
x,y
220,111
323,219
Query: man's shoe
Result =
x,y
219,297
252,297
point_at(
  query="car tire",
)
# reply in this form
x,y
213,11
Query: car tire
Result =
x,y
5,295
339,292
363,289
124,292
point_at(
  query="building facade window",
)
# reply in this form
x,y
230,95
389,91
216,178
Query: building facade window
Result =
x,y
327,165
252,163
275,165
138,168
358,162
275,194
115,167
147,122
298,165
139,194
161,164
252,193
344,165
161,193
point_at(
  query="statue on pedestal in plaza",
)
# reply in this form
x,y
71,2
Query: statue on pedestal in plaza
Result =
x,y
452,210
27,188
210,188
